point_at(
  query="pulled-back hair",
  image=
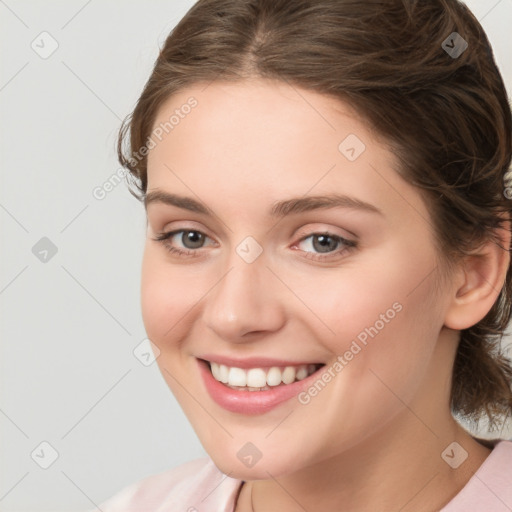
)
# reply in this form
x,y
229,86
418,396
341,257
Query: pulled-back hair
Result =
x,y
446,117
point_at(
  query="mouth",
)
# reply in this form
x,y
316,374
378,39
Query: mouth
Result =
x,y
262,378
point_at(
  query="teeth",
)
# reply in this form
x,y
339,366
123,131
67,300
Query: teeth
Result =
x,y
302,373
274,376
258,379
223,374
237,377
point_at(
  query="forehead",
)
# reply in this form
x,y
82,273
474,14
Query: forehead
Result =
x,y
256,110
258,127
272,139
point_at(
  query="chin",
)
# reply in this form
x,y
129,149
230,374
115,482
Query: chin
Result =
x,y
263,469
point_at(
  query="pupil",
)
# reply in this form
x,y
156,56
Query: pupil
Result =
x,y
192,237
323,246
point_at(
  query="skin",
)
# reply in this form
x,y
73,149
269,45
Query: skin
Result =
x,y
373,438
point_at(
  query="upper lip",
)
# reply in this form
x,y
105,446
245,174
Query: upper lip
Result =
x,y
253,362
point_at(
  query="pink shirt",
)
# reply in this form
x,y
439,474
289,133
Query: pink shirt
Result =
x,y
199,486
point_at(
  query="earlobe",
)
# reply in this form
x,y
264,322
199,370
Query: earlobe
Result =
x,y
481,279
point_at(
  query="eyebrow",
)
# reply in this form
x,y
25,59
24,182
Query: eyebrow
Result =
x,y
291,206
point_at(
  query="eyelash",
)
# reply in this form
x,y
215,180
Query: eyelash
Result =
x,y
347,244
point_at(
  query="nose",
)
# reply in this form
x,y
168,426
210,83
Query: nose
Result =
x,y
245,301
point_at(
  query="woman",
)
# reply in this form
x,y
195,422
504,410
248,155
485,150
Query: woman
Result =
x,y
326,272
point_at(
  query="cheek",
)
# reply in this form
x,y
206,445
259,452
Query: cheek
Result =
x,y
386,328
352,299
382,314
168,296
388,331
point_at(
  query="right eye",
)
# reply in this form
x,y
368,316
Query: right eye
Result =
x,y
191,240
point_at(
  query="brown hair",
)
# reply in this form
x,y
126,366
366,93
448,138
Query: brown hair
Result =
x,y
445,116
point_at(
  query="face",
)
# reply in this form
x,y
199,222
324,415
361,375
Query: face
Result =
x,y
349,284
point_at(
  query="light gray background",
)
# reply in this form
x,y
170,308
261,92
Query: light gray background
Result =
x,y
69,325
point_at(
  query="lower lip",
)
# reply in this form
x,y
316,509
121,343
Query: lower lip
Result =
x,y
251,402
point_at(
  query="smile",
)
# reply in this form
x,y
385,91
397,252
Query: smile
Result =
x,y
256,396
260,379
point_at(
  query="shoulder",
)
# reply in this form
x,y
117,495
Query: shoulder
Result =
x,y
490,488
192,486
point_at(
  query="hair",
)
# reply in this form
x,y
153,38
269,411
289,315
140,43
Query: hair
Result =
x,y
446,117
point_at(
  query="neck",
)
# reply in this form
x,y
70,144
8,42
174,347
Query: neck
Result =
x,y
394,472
398,468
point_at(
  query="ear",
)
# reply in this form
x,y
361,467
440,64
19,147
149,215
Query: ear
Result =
x,y
479,281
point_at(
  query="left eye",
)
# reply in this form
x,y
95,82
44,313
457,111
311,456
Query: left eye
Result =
x,y
325,244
